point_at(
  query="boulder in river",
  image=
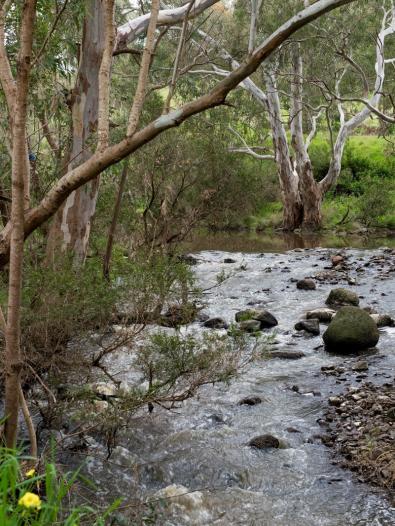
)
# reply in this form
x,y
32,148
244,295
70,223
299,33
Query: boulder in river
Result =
x,y
215,323
265,318
312,326
322,315
306,284
342,297
352,329
264,442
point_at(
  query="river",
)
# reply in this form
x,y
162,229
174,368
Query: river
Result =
x,y
201,448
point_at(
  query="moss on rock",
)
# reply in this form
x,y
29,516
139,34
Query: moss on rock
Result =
x,y
352,329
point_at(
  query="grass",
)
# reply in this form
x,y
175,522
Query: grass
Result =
x,y
28,498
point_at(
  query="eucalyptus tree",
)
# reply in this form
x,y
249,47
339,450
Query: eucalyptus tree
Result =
x,y
331,78
16,83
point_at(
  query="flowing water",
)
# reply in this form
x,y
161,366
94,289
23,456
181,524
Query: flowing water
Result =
x,y
202,446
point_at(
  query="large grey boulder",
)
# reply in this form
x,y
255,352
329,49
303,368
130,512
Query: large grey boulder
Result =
x,y
342,297
352,329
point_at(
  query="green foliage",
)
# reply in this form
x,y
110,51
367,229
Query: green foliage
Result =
x,y
377,201
30,499
180,364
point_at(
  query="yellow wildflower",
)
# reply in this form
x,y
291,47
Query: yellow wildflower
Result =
x,y
30,500
30,473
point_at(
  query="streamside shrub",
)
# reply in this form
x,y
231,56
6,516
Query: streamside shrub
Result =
x,y
31,499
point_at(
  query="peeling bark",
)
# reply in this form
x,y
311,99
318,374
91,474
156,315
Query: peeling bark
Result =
x,y
71,226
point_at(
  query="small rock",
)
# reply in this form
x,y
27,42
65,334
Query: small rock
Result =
x,y
104,389
264,442
340,297
250,400
335,401
306,284
323,315
216,323
292,430
265,318
362,365
229,260
383,320
312,326
336,260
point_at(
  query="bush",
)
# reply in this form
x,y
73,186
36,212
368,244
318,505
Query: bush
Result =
x,y
31,499
376,201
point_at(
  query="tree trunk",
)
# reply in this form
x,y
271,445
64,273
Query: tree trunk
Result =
x,y
289,179
311,196
13,354
113,226
71,226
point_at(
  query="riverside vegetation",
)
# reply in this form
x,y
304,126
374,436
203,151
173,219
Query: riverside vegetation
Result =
x,y
108,330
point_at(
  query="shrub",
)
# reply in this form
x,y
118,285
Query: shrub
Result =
x,y
375,202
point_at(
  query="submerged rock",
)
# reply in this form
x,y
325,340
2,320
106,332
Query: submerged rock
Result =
x,y
322,315
312,326
264,442
341,297
250,400
352,329
306,284
361,365
286,355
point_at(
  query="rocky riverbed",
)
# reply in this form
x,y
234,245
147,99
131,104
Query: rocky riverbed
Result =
x,y
256,451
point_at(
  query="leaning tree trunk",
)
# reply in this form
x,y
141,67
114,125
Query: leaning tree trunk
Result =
x,y
71,225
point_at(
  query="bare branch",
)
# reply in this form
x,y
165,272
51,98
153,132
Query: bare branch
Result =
x,y
139,97
103,126
130,31
178,58
249,149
